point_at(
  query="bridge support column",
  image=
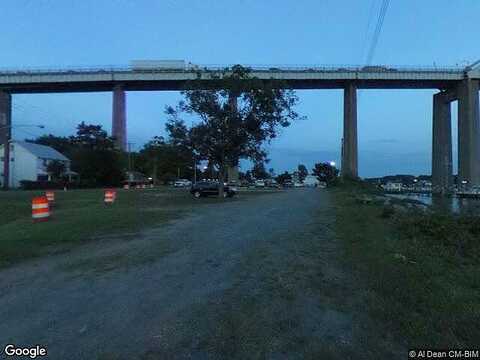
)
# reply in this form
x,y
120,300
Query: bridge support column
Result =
x,y
349,146
232,170
468,134
442,178
119,118
5,135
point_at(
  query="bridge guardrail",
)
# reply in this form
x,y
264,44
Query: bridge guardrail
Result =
x,y
221,67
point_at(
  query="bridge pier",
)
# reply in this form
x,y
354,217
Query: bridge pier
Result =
x,y
5,134
349,146
468,133
232,170
442,176
119,118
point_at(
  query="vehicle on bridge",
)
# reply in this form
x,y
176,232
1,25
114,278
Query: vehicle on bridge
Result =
x,y
377,68
162,65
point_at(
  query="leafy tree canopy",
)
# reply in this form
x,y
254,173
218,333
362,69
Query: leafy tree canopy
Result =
x,y
234,120
325,172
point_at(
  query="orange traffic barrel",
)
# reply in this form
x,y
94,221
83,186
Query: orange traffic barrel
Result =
x,y
110,196
40,209
50,196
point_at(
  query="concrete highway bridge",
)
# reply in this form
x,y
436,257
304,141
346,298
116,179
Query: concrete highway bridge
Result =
x,y
453,84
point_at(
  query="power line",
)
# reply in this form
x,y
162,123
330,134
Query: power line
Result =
x,y
367,30
378,30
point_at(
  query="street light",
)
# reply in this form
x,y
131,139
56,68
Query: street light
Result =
x,y
6,150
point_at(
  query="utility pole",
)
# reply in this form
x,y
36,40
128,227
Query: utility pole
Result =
x,y
6,134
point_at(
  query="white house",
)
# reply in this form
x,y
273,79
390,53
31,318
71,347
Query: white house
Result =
x,y
29,161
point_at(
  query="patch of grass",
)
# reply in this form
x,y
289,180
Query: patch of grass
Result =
x,y
79,216
423,269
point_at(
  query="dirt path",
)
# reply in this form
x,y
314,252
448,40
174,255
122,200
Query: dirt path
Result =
x,y
257,278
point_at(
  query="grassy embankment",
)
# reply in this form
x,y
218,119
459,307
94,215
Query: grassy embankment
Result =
x,y
423,269
80,216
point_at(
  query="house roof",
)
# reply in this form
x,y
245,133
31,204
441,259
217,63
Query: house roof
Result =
x,y
42,151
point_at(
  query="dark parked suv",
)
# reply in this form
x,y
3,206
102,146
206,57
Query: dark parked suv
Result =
x,y
205,188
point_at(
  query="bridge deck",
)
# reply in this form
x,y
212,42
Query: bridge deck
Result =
x,y
104,79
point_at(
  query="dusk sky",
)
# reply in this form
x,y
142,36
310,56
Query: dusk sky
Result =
x,y
394,126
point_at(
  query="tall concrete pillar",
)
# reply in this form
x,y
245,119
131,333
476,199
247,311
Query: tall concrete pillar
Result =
x,y
119,118
350,147
442,177
5,134
232,170
468,133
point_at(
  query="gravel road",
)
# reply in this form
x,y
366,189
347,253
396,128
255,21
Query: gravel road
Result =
x,y
232,279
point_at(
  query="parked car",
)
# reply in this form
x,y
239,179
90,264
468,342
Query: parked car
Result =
x,y
182,183
206,188
259,183
298,184
272,184
288,184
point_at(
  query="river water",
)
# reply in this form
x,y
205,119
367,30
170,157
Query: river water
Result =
x,y
445,204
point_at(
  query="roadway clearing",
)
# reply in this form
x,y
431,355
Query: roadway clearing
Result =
x,y
258,277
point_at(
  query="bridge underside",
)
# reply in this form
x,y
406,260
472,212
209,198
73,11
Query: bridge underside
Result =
x,y
178,85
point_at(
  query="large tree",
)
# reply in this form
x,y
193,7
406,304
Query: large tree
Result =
x,y
95,156
259,171
164,160
302,172
282,178
92,152
235,119
325,172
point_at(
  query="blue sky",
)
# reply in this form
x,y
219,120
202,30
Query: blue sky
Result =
x,y
394,126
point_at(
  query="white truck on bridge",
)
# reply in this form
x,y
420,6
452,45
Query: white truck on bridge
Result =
x,y
145,65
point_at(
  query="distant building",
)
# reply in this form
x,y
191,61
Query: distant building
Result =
x,y
135,178
393,186
296,177
29,161
311,180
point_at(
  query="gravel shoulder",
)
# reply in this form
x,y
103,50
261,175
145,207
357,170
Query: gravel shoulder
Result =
x,y
257,278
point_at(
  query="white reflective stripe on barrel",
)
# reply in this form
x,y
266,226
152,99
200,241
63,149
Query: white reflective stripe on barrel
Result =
x,y
40,215
39,206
